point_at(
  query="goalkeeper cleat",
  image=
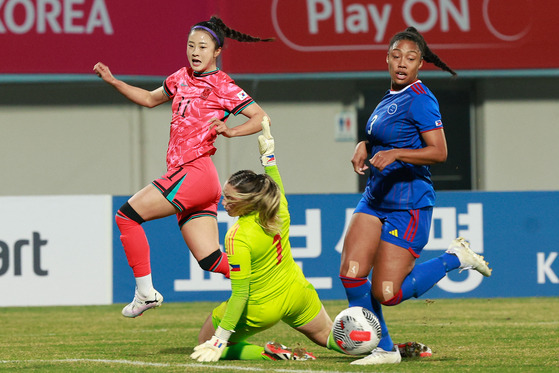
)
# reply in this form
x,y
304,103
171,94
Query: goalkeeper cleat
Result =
x,y
379,356
468,259
300,353
414,349
139,305
277,351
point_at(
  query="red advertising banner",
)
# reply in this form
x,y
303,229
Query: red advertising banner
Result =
x,y
136,37
140,37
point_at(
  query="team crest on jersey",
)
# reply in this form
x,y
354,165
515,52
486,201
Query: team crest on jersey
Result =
x,y
206,93
439,123
242,95
392,109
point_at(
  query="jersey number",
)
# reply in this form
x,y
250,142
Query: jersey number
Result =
x,y
178,112
279,249
373,119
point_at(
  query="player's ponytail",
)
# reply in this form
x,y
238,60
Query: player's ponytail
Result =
x,y
427,54
255,193
219,31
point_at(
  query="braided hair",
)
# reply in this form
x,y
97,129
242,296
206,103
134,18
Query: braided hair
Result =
x,y
258,193
427,54
219,31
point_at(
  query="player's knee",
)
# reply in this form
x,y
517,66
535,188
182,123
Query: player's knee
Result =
x,y
350,270
126,213
394,300
209,262
386,293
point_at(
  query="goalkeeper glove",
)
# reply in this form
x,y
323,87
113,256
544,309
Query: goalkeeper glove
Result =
x,y
211,350
266,144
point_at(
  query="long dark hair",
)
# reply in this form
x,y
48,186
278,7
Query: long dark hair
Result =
x,y
427,54
219,31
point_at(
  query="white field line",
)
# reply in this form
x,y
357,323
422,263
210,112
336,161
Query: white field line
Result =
x,y
143,363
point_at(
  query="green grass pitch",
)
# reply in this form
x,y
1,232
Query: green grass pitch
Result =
x,y
466,335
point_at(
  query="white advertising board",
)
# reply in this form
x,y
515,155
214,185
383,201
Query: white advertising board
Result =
x,y
55,250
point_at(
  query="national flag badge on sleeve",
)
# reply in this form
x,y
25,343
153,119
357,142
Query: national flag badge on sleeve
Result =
x,y
235,267
439,123
242,95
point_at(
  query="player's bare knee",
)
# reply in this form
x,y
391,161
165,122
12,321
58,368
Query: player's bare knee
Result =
x,y
384,291
387,290
352,269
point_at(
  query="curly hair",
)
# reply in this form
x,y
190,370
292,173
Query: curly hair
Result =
x,y
219,31
258,193
427,54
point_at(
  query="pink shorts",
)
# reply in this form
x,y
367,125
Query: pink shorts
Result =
x,y
193,188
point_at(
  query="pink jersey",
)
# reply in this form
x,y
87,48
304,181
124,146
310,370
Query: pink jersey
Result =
x,y
198,98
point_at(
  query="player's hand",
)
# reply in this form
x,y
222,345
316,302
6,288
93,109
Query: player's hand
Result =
x,y
359,156
383,158
220,127
211,350
103,72
266,144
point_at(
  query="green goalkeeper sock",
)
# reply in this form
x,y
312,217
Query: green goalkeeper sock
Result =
x,y
243,351
332,345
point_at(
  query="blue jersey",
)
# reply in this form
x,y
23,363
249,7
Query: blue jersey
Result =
x,y
396,123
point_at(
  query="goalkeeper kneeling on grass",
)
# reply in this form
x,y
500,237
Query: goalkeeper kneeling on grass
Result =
x,y
267,285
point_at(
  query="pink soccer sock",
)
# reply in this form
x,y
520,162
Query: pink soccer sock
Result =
x,y
222,265
135,243
216,262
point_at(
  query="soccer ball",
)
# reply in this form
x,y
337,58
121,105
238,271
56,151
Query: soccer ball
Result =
x,y
356,330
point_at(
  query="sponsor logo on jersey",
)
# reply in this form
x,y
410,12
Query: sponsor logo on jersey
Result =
x,y
242,95
392,109
394,232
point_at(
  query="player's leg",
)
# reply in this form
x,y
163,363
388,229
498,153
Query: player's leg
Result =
x,y
318,329
197,194
238,348
207,331
416,224
301,309
360,244
201,237
147,204
403,236
360,247
392,265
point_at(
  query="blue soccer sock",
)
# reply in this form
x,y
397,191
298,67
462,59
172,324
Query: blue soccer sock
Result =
x,y
425,275
358,292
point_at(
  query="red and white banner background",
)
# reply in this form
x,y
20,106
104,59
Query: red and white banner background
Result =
x,y
141,37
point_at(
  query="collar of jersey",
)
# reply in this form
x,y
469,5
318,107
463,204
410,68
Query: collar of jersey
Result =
x,y
197,74
403,89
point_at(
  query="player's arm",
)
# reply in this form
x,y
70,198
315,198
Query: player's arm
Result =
x,y
240,284
360,154
137,95
253,112
266,146
435,151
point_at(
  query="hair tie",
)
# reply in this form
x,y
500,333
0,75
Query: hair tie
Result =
x,y
211,33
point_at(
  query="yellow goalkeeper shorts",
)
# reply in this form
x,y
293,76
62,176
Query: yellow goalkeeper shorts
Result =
x,y
296,307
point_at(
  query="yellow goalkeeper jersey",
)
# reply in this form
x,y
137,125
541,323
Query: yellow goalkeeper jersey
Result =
x,y
264,259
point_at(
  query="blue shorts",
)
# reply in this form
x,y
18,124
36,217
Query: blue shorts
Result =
x,y
405,228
